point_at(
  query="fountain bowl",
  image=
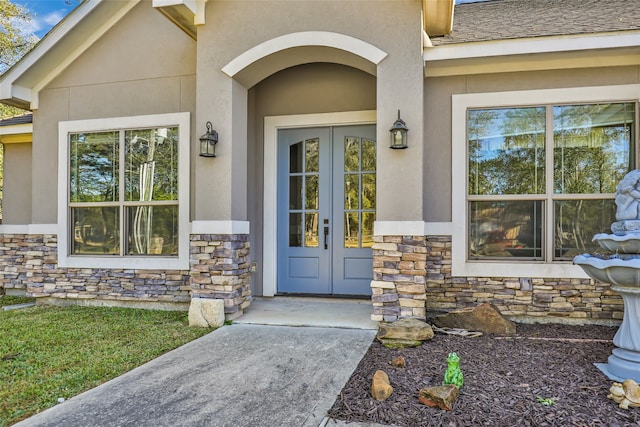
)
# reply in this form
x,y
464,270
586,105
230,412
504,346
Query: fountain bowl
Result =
x,y
614,270
625,244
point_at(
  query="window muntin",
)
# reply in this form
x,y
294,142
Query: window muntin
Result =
x,y
123,188
517,208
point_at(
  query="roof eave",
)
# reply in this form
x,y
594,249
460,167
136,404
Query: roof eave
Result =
x,y
438,16
550,53
186,14
535,45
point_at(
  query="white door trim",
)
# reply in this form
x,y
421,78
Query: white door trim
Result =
x,y
271,126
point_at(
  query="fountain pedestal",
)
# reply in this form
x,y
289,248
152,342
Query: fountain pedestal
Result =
x,y
622,270
624,361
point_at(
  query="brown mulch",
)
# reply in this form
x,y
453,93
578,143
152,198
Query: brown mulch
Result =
x,y
502,380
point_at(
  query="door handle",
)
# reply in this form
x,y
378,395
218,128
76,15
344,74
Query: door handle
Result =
x,y
326,236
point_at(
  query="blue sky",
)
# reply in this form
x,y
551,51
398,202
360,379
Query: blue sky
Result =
x,y
46,13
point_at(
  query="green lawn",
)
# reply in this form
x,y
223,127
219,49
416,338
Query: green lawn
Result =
x,y
47,353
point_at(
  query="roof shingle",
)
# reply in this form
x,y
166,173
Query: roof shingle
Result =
x,y
513,19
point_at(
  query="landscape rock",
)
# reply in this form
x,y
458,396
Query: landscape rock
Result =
x,y
399,362
404,333
380,386
398,343
442,397
206,313
484,318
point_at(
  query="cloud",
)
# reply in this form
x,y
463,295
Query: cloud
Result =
x,y
41,23
53,18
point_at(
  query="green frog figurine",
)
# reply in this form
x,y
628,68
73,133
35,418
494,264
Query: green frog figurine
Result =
x,y
453,374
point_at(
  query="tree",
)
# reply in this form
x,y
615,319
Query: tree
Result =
x,y
14,42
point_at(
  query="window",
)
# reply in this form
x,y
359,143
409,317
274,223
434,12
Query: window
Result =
x,y
541,179
126,184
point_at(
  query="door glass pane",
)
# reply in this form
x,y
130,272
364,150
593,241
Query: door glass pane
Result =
x,y
576,222
368,219
351,154
351,227
351,191
311,230
296,158
312,195
94,167
96,231
368,155
152,230
368,191
295,230
505,229
295,192
592,147
506,151
312,147
151,157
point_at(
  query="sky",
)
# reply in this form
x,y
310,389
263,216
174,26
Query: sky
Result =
x,y
46,13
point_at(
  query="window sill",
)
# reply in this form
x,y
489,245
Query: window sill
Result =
x,y
560,270
125,263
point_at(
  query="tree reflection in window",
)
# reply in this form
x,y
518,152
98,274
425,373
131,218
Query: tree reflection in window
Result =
x,y
510,189
130,174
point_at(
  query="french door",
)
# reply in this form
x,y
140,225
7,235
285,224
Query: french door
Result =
x,y
326,209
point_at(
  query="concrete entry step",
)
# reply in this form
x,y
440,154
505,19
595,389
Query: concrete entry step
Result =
x,y
304,311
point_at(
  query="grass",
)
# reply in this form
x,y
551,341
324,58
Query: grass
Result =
x,y
47,353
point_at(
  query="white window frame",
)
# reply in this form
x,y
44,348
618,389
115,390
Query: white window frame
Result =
x,y
460,265
65,259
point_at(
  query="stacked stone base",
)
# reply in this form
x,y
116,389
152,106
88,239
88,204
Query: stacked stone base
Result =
x,y
412,276
219,268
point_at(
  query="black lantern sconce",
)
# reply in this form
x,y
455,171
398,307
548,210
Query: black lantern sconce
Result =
x,y
208,142
399,134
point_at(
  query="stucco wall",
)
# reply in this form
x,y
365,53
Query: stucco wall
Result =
x,y
391,26
143,65
437,117
16,192
304,89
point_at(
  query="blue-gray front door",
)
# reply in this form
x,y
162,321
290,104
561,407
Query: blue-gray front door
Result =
x,y
326,209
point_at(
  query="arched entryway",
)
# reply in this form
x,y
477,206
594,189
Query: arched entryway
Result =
x,y
326,100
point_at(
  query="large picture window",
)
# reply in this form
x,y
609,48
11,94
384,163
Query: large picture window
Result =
x,y
126,181
541,179
124,192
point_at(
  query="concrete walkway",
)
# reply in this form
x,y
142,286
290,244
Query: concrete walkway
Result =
x,y
238,375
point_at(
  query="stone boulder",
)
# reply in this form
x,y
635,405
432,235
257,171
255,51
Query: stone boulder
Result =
x,y
206,313
441,396
404,333
484,318
380,386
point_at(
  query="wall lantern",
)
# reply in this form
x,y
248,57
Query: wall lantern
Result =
x,y
399,134
208,142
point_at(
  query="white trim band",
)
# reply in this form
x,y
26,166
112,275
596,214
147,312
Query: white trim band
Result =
x,y
305,38
29,229
220,227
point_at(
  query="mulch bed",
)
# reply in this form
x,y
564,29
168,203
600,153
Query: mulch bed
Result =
x,y
503,377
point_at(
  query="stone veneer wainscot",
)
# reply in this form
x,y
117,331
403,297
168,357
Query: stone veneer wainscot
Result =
x,y
219,268
412,275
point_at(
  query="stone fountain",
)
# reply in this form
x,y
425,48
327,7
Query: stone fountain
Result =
x,y
622,270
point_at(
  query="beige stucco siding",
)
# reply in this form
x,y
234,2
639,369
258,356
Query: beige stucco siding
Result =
x,y
233,28
305,89
437,119
143,65
16,192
